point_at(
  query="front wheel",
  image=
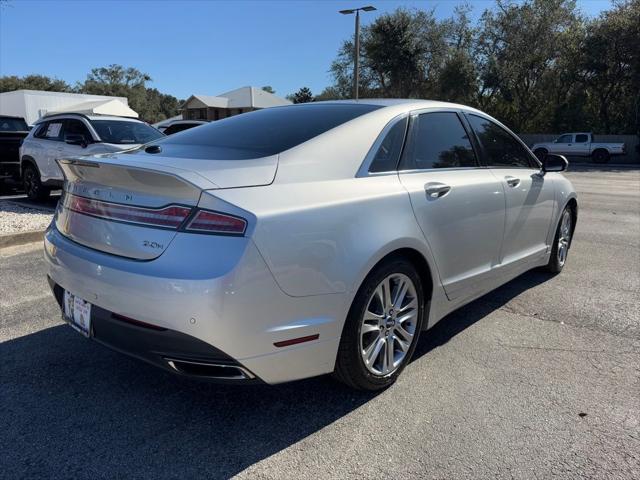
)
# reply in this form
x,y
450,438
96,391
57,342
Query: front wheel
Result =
x,y
382,328
32,185
561,242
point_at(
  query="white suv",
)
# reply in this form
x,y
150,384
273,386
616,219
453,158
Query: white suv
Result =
x,y
73,134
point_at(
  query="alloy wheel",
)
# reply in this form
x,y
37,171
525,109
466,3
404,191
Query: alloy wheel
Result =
x,y
389,324
564,238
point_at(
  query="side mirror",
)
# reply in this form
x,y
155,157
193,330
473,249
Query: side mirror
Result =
x,y
75,139
554,163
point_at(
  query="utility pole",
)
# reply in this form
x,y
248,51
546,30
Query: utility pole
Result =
x,y
356,54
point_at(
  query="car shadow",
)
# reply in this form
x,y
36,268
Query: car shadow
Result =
x,y
70,405
464,317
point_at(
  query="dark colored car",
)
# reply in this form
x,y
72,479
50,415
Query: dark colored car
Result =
x,y
12,131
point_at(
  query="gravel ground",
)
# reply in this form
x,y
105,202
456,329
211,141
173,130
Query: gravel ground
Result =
x,y
539,379
16,218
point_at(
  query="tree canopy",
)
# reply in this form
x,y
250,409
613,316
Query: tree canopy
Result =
x,y
538,65
114,80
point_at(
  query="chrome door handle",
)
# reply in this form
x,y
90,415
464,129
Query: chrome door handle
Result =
x,y
436,190
512,181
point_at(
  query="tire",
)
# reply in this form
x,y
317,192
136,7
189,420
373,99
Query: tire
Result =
x,y
600,156
541,153
33,185
561,242
386,333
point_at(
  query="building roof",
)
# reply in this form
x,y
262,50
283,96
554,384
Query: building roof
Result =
x,y
98,107
244,97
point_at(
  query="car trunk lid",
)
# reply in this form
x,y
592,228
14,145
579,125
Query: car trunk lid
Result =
x,y
118,204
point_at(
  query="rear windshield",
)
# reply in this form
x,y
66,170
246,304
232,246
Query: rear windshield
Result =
x,y
124,132
13,125
261,133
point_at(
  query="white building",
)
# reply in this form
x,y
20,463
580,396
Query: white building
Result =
x,y
240,100
34,104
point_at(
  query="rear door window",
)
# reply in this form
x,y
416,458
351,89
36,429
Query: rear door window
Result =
x,y
501,149
564,139
437,140
582,138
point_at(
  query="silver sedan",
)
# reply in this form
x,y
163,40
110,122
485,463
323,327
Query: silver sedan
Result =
x,y
302,240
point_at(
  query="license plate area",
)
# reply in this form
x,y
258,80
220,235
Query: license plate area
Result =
x,y
77,313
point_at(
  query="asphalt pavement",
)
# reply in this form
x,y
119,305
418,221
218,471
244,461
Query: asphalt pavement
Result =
x,y
538,379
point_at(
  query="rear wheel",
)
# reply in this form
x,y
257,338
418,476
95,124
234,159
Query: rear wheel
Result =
x,y
382,328
32,185
600,156
541,153
561,242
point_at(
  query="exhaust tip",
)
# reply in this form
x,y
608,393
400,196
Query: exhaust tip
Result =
x,y
218,371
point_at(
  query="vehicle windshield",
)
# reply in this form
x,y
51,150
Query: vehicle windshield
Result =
x,y
125,132
13,125
261,133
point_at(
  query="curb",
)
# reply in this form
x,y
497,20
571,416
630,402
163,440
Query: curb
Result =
x,y
13,239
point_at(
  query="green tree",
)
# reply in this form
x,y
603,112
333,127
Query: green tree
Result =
x,y
518,48
116,80
33,82
268,89
303,95
611,65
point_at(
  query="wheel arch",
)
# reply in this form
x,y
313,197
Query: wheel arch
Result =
x,y
28,160
417,258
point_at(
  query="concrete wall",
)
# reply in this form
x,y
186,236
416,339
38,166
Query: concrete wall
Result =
x,y
631,142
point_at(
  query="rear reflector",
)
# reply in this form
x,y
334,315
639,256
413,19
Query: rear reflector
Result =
x,y
214,222
171,216
295,341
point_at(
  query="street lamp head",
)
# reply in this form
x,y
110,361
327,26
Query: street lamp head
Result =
x,y
368,8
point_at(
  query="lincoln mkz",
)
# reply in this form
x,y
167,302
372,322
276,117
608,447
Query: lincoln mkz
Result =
x,y
302,240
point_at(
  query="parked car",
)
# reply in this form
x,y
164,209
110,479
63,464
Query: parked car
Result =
x,y
13,130
302,240
579,145
73,134
179,126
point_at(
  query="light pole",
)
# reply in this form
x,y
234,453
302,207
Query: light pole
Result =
x,y
356,57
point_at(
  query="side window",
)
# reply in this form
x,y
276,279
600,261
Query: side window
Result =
x,y
386,158
76,127
53,130
437,140
582,138
500,147
564,139
41,129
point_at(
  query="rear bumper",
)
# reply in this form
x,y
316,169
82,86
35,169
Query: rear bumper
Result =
x,y
162,347
217,291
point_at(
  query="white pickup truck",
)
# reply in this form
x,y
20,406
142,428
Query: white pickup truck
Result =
x,y
579,145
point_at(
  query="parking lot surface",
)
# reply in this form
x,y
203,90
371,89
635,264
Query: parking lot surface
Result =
x,y
538,379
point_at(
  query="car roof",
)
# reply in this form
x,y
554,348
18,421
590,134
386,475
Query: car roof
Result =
x,y
408,102
60,116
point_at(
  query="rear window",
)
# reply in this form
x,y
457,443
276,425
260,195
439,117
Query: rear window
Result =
x,y
124,132
13,125
261,133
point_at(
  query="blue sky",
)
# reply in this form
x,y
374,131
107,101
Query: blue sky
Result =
x,y
205,47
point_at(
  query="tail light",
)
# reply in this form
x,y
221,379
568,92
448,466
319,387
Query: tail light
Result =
x,y
172,216
214,222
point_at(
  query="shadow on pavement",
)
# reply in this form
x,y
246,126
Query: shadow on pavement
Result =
x,y
73,408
